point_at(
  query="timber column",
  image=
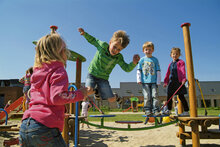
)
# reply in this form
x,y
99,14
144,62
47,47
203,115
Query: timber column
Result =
x,y
191,83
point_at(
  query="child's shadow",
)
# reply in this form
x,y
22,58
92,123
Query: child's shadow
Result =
x,y
8,134
95,138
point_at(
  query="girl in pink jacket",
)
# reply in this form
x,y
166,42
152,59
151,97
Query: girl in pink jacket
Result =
x,y
44,120
175,76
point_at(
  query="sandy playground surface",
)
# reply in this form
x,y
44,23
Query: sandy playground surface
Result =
x,y
95,137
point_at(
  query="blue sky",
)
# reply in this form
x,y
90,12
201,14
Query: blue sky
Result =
x,y
158,21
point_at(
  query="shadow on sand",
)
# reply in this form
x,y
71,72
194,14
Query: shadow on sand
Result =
x,y
92,138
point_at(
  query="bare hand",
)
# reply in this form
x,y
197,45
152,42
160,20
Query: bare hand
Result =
x,y
81,30
164,85
136,59
183,82
139,83
87,91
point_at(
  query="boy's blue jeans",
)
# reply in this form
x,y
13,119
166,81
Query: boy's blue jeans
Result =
x,y
150,92
34,134
103,86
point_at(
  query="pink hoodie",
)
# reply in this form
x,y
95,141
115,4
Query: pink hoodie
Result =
x,y
49,94
180,72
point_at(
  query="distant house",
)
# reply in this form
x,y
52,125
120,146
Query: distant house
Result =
x,y
10,90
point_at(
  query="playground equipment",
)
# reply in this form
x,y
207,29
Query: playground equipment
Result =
x,y
193,121
203,100
7,127
134,105
157,124
141,105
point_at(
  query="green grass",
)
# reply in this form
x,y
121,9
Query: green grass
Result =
x,y
118,117
212,111
138,117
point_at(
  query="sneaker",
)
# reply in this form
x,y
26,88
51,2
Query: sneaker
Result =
x,y
157,113
185,113
148,113
168,112
97,96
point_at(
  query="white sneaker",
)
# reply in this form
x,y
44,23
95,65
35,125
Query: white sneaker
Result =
x,y
185,113
168,112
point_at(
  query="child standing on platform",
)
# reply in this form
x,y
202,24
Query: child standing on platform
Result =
x,y
26,80
105,59
149,76
44,120
175,77
85,108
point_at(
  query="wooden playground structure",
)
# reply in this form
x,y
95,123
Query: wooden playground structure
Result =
x,y
194,121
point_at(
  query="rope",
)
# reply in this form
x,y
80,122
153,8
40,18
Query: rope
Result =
x,y
171,97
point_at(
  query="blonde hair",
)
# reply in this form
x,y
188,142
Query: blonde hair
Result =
x,y
121,37
175,49
49,48
148,44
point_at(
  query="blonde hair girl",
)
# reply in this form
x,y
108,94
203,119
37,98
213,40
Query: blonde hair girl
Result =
x,y
50,48
49,94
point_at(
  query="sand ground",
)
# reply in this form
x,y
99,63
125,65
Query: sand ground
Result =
x,y
95,137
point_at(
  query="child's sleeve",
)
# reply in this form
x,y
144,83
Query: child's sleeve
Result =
x,y
139,70
138,76
158,77
97,43
183,70
158,72
59,94
126,67
166,79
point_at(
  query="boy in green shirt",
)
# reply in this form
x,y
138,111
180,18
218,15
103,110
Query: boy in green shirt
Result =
x,y
105,59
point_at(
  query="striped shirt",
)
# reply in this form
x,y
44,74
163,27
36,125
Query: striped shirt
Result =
x,y
103,62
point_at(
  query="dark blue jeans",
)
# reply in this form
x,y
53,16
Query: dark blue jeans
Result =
x,y
34,134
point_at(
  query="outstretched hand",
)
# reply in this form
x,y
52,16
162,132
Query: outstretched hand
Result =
x,y
86,91
136,59
81,30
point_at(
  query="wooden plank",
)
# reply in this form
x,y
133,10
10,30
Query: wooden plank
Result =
x,y
208,135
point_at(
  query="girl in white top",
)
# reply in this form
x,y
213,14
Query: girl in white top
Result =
x,y
85,108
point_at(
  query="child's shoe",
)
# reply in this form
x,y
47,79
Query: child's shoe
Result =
x,y
185,113
168,112
97,96
148,113
157,113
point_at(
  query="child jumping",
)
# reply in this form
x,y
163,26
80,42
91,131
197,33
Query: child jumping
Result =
x,y
44,120
175,77
85,108
26,80
105,59
149,76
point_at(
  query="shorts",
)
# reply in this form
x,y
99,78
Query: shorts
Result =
x,y
102,85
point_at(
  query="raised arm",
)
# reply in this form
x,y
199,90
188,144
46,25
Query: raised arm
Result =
x,y
92,40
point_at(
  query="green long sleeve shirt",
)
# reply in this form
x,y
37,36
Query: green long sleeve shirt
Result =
x,y
103,62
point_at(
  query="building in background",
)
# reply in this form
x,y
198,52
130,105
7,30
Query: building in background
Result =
x,y
10,90
210,90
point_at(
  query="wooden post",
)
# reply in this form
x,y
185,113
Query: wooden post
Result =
x,y
181,126
191,83
65,130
